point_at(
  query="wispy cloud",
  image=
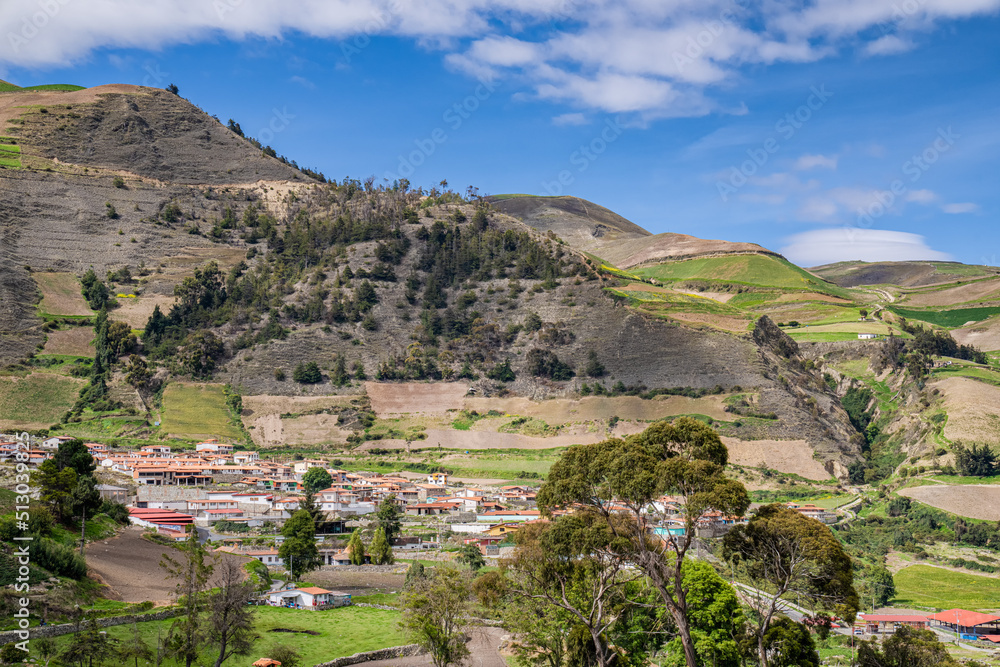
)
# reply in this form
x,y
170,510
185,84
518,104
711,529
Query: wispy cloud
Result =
x,y
825,246
966,207
807,162
304,82
570,119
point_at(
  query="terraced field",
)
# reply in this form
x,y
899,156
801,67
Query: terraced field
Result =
x,y
197,411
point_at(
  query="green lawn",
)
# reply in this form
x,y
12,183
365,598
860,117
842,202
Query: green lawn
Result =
x,y
948,318
197,411
925,586
340,632
39,398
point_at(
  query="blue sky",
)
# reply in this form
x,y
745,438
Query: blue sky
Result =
x,y
824,129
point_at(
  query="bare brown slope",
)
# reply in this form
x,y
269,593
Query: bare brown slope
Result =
x,y
669,246
580,223
904,274
595,229
148,132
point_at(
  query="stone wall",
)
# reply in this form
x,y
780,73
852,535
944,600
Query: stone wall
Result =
x,y
37,632
381,654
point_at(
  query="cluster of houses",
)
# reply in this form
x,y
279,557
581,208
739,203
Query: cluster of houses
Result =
x,y
214,483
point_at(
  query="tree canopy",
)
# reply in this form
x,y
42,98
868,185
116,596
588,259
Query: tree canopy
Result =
x,y
621,481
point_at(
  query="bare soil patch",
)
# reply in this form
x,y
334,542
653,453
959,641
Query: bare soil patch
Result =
x,y
483,644
262,417
10,102
973,409
75,341
358,583
415,397
733,324
589,408
130,566
954,295
984,335
61,294
721,297
788,456
976,501
136,311
809,296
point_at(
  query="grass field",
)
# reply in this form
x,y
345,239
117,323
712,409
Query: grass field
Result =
x,y
339,632
39,398
10,155
197,411
64,87
61,295
7,87
761,270
948,318
926,586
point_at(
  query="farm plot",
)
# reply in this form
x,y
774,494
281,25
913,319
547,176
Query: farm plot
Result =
x,y
976,291
304,421
926,586
789,456
61,295
130,566
197,411
37,400
415,397
985,335
74,341
973,409
564,411
976,501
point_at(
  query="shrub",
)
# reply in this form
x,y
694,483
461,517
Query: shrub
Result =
x,y
307,373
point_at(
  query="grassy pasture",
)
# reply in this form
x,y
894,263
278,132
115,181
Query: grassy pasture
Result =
x,y
197,411
63,87
926,586
338,633
750,269
39,398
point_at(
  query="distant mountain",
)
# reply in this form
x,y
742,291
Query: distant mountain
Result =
x,y
616,240
902,274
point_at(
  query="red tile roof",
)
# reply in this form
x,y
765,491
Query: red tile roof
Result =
x,y
893,618
964,618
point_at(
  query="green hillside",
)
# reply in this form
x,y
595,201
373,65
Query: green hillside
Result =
x,y
948,318
66,87
6,87
758,270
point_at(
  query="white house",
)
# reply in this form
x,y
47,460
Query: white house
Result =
x,y
309,598
867,336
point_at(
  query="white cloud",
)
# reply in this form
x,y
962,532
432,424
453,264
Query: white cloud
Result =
x,y
570,119
656,59
825,246
966,207
921,196
888,45
304,82
813,161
